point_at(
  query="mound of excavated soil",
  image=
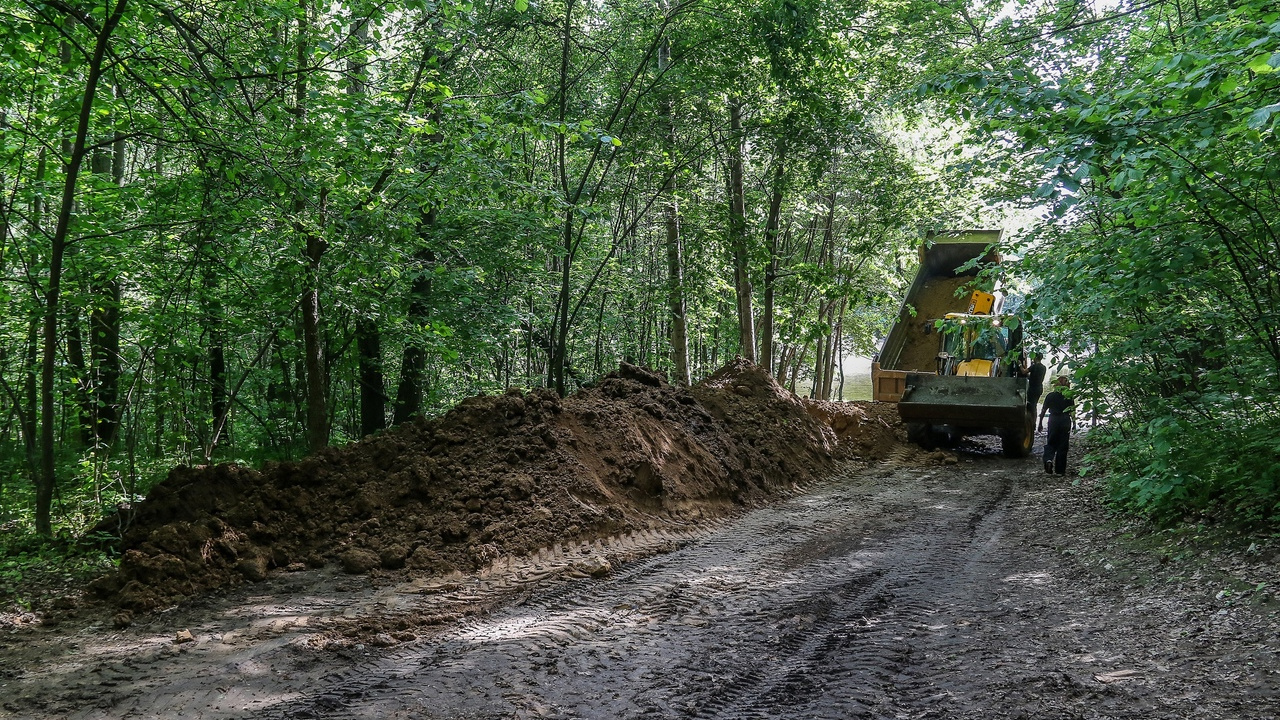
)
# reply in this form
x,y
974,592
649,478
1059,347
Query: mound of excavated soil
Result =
x,y
496,475
865,430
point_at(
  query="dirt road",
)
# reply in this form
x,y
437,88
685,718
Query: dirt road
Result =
x,y
976,589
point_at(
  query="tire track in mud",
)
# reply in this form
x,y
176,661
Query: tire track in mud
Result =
x,y
262,652
801,609
856,643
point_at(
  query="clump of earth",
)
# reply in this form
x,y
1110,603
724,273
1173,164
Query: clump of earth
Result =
x,y
495,476
869,431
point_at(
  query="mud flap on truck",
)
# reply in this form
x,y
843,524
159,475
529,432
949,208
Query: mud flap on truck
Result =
x,y
967,406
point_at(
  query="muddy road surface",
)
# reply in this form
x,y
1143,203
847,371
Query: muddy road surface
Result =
x,y
978,587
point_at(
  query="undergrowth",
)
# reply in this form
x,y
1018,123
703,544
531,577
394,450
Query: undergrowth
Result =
x,y
1222,468
35,568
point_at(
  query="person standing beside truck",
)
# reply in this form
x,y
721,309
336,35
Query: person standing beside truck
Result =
x,y
1059,407
1035,380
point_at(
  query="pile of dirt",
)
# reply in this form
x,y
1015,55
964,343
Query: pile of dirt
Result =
x,y
497,475
865,430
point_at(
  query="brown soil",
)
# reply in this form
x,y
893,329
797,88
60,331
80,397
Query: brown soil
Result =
x,y
496,476
936,298
866,431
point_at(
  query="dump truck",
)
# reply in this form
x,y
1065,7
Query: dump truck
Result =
x,y
952,361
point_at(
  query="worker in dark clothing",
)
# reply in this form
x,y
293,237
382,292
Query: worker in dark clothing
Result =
x,y
1035,381
1059,407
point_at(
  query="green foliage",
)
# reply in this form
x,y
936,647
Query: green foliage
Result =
x,y
1148,140
476,183
33,568
1175,472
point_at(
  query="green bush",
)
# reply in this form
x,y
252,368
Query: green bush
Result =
x,y
1225,467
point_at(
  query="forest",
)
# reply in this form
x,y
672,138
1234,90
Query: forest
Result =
x,y
250,229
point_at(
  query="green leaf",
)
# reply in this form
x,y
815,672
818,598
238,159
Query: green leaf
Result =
x,y
1259,117
1261,64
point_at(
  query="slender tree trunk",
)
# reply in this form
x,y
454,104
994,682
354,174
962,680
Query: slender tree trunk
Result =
x,y
31,384
560,326
823,347
834,352
771,271
715,346
157,398
5,207
104,323
795,369
676,304
738,233
373,400
58,249
30,395
83,393
599,359
104,326
313,349
826,254
317,415
560,330
786,354
104,352
413,364
214,319
829,365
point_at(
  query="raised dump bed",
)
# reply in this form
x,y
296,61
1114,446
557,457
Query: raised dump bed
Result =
x,y
917,370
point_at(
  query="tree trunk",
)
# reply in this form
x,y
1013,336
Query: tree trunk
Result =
x,y
413,365
104,321
30,382
157,398
83,394
676,304
834,358
560,325
104,352
795,369
313,348
5,207
560,329
738,233
30,396
771,271
58,249
314,249
214,318
104,327
599,360
373,400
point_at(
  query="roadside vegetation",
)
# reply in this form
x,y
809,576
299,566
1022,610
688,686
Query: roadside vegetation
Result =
x,y
1151,140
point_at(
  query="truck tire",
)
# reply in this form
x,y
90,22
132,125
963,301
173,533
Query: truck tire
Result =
x,y
1017,443
921,434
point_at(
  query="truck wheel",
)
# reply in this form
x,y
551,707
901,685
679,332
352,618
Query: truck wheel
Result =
x,y
921,434
1017,443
